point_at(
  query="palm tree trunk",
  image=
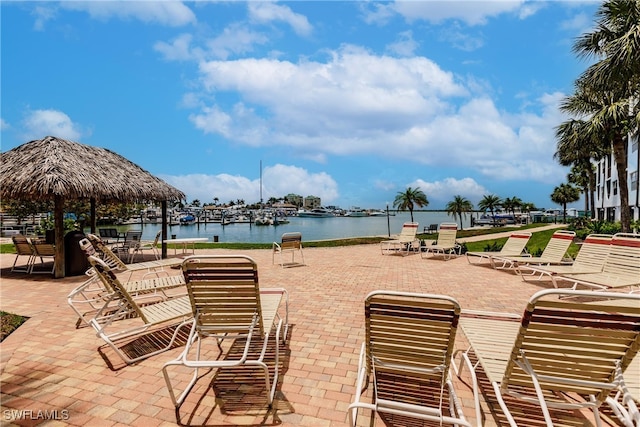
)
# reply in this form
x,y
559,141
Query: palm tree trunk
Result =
x,y
620,157
592,192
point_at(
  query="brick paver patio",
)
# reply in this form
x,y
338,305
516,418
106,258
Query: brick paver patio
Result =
x,y
49,364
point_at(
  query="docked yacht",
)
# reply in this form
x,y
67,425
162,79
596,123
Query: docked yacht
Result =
x,y
356,212
315,213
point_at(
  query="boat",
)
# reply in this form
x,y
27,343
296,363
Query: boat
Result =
x,y
356,212
279,220
187,219
263,220
497,219
380,213
315,213
242,219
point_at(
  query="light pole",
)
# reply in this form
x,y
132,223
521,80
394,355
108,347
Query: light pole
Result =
x,y
388,225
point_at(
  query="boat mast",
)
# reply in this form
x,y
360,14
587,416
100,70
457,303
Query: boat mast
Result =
x,y
261,206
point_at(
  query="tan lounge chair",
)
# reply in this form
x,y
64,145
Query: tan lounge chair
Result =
x,y
562,355
405,243
290,242
554,253
129,246
590,259
95,298
174,311
42,250
514,246
149,246
446,243
227,303
409,341
621,268
115,263
23,248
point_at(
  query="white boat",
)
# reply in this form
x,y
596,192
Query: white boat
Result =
x,y
278,220
242,219
378,213
264,220
356,212
315,213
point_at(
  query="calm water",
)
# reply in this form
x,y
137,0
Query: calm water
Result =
x,y
311,228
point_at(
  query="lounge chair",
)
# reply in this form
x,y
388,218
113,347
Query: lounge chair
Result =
x,y
561,355
409,340
405,243
128,248
514,246
175,311
109,235
446,243
149,246
553,253
228,303
115,263
23,248
42,250
95,298
590,259
621,267
290,242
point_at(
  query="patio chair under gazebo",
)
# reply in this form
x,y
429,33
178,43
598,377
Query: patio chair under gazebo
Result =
x,y
57,169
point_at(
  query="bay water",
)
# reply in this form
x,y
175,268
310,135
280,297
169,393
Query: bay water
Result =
x,y
312,229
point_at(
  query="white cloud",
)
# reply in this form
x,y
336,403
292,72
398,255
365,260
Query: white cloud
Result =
x,y
472,12
43,14
439,193
278,180
459,39
266,12
178,50
170,13
40,123
404,46
353,92
235,39
402,109
4,125
579,23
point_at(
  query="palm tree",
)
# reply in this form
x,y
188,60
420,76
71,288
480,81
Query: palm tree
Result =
x,y
407,199
490,202
614,81
511,204
577,147
564,194
459,206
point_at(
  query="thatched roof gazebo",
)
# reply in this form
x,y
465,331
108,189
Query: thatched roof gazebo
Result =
x,y
57,169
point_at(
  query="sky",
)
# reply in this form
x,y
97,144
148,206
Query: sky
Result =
x,y
349,101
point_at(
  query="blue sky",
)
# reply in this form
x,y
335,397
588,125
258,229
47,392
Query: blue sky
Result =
x,y
348,101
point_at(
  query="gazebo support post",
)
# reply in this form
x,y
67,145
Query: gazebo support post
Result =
x,y
164,229
58,226
94,220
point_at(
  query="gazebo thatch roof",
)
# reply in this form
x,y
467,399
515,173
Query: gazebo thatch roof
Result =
x,y
53,167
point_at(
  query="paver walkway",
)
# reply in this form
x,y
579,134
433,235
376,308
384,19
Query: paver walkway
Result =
x,y
50,365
